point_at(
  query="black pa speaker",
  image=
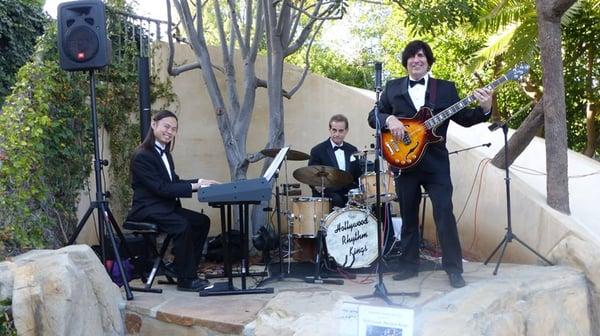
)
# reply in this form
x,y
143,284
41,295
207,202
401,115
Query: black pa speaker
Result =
x,y
82,40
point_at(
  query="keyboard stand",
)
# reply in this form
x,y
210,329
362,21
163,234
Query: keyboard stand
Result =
x,y
227,288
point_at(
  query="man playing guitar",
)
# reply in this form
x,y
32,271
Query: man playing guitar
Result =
x,y
430,169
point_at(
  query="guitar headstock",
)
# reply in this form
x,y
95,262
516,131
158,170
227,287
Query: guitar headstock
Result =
x,y
518,72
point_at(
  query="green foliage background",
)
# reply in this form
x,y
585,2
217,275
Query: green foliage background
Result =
x,y
21,22
46,136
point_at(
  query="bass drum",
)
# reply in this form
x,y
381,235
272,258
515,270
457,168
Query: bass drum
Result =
x,y
351,237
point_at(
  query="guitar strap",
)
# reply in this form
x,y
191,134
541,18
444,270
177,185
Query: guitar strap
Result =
x,y
432,93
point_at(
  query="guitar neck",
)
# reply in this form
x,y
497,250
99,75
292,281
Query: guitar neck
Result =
x,y
439,118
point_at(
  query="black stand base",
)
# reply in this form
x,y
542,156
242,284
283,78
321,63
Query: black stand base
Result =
x,y
382,293
236,275
223,288
323,280
504,242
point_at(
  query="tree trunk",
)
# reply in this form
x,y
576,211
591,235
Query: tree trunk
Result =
x,y
522,137
591,108
557,183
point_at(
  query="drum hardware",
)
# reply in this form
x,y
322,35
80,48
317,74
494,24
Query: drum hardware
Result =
x,y
317,277
325,177
297,192
294,156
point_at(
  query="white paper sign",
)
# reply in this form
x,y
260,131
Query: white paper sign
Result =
x,y
385,321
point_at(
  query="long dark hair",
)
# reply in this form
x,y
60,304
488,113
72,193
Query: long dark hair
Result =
x,y
149,141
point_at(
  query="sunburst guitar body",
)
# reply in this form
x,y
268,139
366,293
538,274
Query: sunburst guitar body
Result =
x,y
420,129
408,151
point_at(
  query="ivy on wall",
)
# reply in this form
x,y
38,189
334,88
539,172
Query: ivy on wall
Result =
x,y
21,22
46,140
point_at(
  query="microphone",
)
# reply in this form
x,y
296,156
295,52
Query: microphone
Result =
x,y
378,68
494,126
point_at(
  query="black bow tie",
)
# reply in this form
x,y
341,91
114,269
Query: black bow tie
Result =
x,y
160,150
336,148
413,83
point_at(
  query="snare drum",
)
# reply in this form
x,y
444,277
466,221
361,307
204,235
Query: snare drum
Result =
x,y
387,187
355,197
307,213
351,237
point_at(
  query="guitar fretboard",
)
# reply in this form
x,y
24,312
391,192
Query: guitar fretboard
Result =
x,y
439,118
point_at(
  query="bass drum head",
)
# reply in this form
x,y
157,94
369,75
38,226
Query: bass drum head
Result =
x,y
351,237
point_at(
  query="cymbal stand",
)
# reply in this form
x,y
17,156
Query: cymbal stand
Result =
x,y
320,237
380,289
288,219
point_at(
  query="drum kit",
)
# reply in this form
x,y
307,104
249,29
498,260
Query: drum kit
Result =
x,y
349,233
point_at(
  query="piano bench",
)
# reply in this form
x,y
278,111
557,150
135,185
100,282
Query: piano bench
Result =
x,y
149,231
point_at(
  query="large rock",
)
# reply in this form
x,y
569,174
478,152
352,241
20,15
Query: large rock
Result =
x,y
286,314
6,280
585,256
64,292
521,300
527,301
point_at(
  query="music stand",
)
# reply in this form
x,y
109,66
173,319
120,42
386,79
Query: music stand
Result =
x,y
509,236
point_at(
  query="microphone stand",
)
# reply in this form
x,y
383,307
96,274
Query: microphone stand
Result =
x,y
469,148
509,236
380,289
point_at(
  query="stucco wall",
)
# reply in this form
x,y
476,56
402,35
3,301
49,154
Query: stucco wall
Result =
x,y
199,152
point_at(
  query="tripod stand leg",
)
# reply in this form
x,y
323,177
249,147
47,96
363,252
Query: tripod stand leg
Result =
x,y
501,255
495,250
118,259
80,225
532,250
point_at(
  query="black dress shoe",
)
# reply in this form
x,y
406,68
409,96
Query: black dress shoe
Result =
x,y
405,274
192,285
456,280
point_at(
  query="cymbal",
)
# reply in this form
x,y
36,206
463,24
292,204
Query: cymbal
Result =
x,y
328,176
293,155
364,152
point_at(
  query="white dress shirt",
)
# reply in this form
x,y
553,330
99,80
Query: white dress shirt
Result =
x,y
164,158
340,156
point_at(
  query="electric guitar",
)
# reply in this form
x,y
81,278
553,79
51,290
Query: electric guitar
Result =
x,y
420,129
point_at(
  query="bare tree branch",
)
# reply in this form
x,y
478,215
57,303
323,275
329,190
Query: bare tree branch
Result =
x,y
306,60
243,44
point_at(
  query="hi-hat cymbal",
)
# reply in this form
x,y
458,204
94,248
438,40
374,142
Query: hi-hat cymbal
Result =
x,y
325,175
364,152
292,155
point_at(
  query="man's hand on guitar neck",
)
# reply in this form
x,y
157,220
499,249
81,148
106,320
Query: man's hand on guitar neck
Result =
x,y
396,127
484,97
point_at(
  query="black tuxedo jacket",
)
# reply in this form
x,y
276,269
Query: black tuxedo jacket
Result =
x,y
395,100
322,154
153,191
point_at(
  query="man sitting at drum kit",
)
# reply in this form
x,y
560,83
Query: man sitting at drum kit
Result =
x,y
334,152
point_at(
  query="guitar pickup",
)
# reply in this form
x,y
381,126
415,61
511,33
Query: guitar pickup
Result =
x,y
406,139
392,146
